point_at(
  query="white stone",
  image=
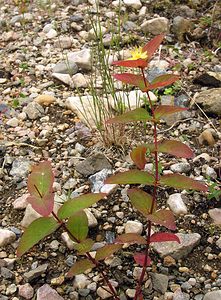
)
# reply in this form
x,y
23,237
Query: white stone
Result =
x,y
65,78
133,227
214,295
92,221
108,188
176,204
80,281
103,293
67,240
47,28
182,167
156,26
21,202
79,81
52,33
100,30
82,58
136,4
13,122
130,293
6,237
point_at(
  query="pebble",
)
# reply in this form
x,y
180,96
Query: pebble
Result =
x,y
214,295
81,281
136,4
21,202
6,237
26,291
82,58
35,273
155,26
65,67
33,110
13,122
180,168
177,204
160,282
46,292
133,227
103,293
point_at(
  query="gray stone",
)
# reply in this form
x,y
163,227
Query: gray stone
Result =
x,y
21,202
187,243
6,237
20,168
160,282
181,26
136,4
82,58
214,295
80,281
97,180
176,204
93,164
6,273
26,291
210,100
13,122
103,292
66,67
64,42
133,227
180,167
33,110
65,78
46,292
70,184
92,221
52,33
179,295
156,26
11,289
79,81
35,273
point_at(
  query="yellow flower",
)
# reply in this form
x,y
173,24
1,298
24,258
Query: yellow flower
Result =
x,y
138,53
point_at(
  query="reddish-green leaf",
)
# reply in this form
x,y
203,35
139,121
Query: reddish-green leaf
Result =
x,y
76,204
133,79
165,110
107,250
162,80
163,217
182,182
140,259
164,237
130,238
141,200
78,225
153,45
35,232
80,267
132,177
138,156
84,246
40,187
138,63
138,114
175,148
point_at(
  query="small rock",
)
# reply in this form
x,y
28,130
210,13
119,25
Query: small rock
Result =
x,y
26,291
179,295
66,67
79,81
6,237
20,168
160,282
136,4
180,167
67,240
176,204
11,289
97,180
210,100
181,26
103,293
82,58
21,202
156,26
215,214
46,292
35,273
207,138
92,221
29,216
65,78
64,42
52,33
176,250
133,227
93,164
13,122
45,99
130,293
57,281
70,184
33,110
169,261
80,281
6,273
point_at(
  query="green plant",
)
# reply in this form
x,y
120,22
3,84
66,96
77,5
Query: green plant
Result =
x,y
214,190
71,216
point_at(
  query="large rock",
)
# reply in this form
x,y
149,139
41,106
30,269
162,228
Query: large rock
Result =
x,y
210,101
187,243
214,295
82,58
26,291
46,292
177,204
156,26
181,26
93,164
160,282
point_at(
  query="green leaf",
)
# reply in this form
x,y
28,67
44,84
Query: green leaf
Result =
x,y
78,225
84,246
130,238
165,110
132,177
76,204
106,251
138,114
141,200
182,182
40,187
162,80
163,217
35,232
138,156
80,267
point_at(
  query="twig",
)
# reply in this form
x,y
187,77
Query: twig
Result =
x,y
9,144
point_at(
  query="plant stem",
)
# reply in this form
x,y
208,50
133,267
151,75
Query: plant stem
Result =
x,y
154,199
93,260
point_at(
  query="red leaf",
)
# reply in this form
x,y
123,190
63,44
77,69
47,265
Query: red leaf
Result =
x,y
163,217
140,259
138,63
182,182
164,110
138,156
132,177
153,45
138,114
141,200
164,237
162,80
132,79
40,187
130,238
176,148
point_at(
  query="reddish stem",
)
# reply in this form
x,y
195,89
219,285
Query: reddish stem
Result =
x,y
93,260
156,163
